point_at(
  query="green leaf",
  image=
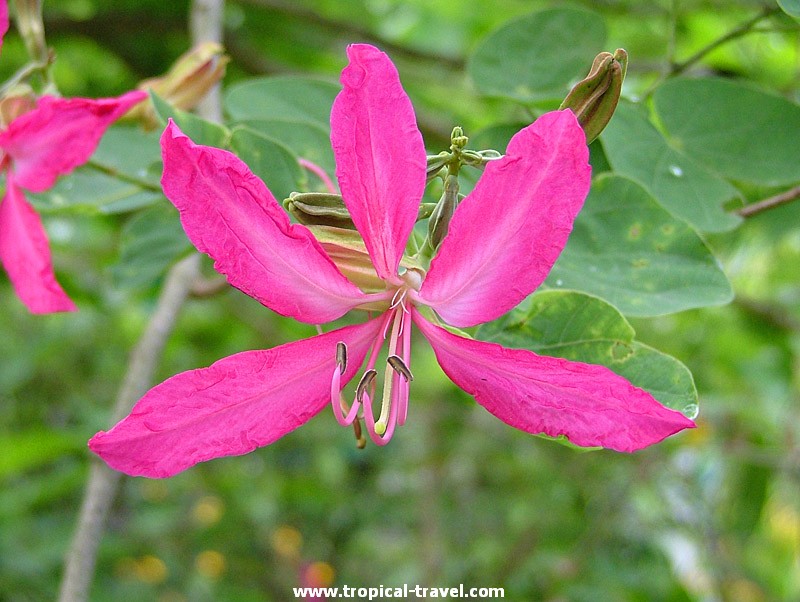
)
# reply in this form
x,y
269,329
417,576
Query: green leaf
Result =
x,y
790,7
740,131
199,130
33,448
122,175
583,328
537,56
132,152
635,148
151,241
270,160
307,140
287,98
629,250
87,190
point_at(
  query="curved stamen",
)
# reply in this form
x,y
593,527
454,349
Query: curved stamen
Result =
x,y
402,410
398,298
369,422
338,403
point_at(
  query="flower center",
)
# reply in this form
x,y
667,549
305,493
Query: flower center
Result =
x,y
396,326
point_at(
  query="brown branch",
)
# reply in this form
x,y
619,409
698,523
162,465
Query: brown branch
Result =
x,y
770,203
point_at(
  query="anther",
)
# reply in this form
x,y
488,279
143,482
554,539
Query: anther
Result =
x,y
366,380
399,366
341,356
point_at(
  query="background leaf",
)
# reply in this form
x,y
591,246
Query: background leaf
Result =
x,y
635,149
527,59
742,132
201,131
270,160
151,241
630,251
305,139
286,98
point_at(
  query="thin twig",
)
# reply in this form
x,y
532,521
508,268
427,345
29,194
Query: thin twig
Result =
x,y
770,203
737,32
206,24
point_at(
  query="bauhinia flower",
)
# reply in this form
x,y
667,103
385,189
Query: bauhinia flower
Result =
x,y
502,241
37,147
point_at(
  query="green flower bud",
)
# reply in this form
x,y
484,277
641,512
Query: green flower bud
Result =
x,y
439,221
319,209
594,99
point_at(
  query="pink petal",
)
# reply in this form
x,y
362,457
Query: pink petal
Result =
x,y
230,214
59,135
380,156
507,234
237,404
3,20
588,404
25,254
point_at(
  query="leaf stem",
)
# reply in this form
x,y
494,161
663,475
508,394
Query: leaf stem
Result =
x,y
123,177
770,203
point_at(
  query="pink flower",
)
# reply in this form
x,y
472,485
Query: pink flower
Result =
x,y
502,242
36,148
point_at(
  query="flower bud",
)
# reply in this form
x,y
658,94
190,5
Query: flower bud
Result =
x,y
439,221
16,102
319,209
186,83
594,99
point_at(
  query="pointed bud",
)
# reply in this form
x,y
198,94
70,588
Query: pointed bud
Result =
x,y
186,83
594,99
439,222
16,102
319,209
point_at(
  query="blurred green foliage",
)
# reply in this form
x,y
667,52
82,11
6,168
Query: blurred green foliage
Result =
x,y
457,497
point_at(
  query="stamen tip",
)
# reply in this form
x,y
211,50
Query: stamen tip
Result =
x,y
341,356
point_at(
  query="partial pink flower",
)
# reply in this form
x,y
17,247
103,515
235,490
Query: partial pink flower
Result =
x,y
3,20
37,147
502,241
